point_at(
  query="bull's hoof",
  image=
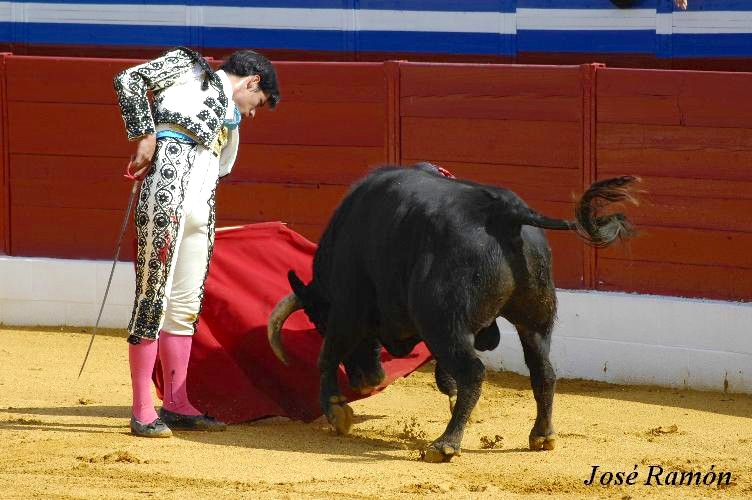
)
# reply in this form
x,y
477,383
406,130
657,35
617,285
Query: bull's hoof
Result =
x,y
538,443
437,453
340,415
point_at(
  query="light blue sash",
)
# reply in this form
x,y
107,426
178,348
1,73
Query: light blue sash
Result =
x,y
175,135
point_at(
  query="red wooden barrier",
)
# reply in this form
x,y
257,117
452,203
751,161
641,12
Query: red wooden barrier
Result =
x,y
4,177
67,153
589,72
296,161
689,135
544,132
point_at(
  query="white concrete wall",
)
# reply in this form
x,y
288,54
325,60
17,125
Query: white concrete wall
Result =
x,y
35,291
644,339
612,337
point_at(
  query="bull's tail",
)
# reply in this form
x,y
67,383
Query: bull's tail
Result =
x,y
595,229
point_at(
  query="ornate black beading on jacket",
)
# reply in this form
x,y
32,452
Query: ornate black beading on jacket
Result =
x,y
158,75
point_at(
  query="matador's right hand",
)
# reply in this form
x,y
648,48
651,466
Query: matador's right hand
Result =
x,y
144,153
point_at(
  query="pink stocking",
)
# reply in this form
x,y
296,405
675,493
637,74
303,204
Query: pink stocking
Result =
x,y
141,358
174,353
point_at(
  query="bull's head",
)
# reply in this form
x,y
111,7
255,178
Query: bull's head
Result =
x,y
302,297
363,365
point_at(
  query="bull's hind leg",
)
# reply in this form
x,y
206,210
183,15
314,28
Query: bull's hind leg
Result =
x,y
535,345
460,363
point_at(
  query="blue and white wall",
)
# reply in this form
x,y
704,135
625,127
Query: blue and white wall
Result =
x,y
493,28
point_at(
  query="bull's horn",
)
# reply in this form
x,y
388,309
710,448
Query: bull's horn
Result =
x,y
279,315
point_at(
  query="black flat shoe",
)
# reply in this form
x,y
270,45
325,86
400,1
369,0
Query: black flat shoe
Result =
x,y
156,429
191,422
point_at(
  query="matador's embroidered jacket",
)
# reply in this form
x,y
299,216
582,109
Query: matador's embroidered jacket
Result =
x,y
187,93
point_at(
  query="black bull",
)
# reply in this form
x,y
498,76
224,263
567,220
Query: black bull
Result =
x,y
410,255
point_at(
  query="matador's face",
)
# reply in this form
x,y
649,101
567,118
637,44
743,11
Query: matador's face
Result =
x,y
248,96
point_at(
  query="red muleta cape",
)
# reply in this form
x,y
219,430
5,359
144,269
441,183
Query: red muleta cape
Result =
x,y
233,374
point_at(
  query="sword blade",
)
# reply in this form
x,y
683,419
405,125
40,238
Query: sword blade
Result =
x,y
123,228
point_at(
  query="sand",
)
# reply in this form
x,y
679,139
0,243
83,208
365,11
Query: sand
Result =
x,y
66,438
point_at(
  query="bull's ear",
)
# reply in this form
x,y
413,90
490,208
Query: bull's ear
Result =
x,y
296,284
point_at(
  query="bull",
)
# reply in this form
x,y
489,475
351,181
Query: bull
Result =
x,y
411,255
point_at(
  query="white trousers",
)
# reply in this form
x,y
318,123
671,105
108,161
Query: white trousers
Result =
x,y
175,230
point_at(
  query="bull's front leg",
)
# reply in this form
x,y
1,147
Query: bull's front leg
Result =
x,y
335,348
460,364
363,366
446,384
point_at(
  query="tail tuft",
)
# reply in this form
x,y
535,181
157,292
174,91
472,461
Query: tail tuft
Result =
x,y
601,230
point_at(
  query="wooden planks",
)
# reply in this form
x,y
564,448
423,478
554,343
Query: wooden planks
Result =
x,y
304,164
69,233
68,151
295,162
533,129
689,135
666,278
674,151
64,79
256,202
4,166
689,98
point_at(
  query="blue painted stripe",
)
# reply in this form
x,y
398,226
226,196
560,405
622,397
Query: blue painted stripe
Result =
x,y
325,40
665,6
439,5
93,34
632,41
660,5
708,5
542,41
366,41
334,40
581,4
310,4
685,46
419,5
715,45
435,43
428,5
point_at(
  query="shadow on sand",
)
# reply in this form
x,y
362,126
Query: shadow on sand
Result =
x,y
737,405
276,433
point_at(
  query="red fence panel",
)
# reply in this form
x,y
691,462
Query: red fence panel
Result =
x,y
4,172
689,135
68,151
295,161
66,168
519,127
544,132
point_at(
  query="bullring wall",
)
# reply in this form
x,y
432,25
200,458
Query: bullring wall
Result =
x,y
545,132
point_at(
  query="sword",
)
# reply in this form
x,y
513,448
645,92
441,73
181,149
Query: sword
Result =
x,y
123,228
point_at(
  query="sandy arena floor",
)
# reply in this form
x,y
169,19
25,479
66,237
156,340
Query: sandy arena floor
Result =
x,y
63,438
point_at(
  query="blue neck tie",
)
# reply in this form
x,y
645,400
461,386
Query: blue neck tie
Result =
x,y
235,121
